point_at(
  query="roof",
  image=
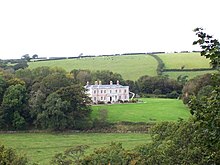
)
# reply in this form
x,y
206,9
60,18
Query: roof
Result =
x,y
105,86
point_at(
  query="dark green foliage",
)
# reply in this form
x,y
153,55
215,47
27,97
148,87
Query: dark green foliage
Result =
x,y
193,86
14,112
172,95
188,70
9,157
112,154
101,121
54,117
160,66
26,57
195,141
2,87
210,47
70,156
65,109
20,65
105,76
164,85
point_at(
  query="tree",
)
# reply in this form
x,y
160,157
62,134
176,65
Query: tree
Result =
x,y
26,57
14,113
2,88
54,117
79,110
66,108
210,47
106,76
35,56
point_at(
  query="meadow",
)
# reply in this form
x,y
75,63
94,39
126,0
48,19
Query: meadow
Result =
x,y
41,147
150,109
188,60
130,67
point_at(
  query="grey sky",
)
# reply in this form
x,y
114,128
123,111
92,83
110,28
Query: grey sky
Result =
x,y
70,27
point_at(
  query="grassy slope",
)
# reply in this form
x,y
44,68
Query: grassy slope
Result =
x,y
130,67
150,109
189,60
41,147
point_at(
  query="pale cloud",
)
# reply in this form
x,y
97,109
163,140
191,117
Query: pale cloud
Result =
x,y
70,27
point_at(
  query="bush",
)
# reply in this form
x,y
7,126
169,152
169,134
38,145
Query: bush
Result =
x,y
172,95
9,157
100,102
157,92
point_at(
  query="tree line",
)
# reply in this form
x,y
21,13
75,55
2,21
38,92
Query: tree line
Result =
x,y
51,98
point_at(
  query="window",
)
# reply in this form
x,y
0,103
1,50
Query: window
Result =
x,y
104,91
101,98
101,91
110,91
94,98
125,97
116,91
119,90
94,91
119,97
125,91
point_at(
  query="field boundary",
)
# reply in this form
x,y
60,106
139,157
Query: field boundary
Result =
x,y
188,70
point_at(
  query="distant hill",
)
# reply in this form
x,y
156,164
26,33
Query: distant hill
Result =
x,y
131,67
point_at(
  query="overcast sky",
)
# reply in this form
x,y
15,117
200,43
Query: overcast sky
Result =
x,y
70,27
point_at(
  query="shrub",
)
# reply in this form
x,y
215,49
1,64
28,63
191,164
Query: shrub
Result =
x,y
100,102
172,95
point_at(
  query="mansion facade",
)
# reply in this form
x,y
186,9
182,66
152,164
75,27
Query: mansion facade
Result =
x,y
107,93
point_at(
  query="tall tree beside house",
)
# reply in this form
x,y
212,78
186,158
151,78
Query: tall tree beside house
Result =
x,y
65,108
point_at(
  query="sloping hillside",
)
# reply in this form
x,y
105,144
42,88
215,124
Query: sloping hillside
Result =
x,y
130,67
190,64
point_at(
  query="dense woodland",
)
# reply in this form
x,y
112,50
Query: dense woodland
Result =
x,y
40,97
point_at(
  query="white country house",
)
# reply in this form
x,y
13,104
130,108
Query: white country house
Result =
x,y
107,93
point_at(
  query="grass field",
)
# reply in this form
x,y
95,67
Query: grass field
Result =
x,y
189,60
41,147
130,67
152,109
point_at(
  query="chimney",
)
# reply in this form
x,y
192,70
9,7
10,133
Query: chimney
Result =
x,y
110,82
100,82
117,82
87,83
96,82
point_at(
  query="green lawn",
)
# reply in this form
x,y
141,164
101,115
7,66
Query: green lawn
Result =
x,y
189,60
41,147
152,109
130,67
